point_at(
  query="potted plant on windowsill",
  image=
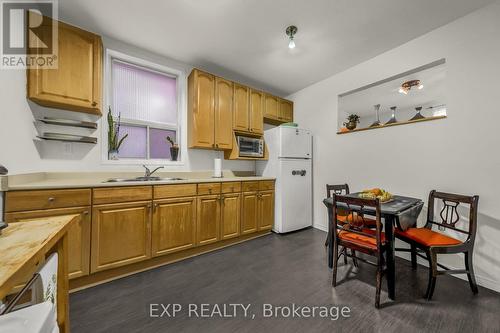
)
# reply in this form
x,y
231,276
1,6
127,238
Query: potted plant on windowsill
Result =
x,y
174,149
352,122
114,141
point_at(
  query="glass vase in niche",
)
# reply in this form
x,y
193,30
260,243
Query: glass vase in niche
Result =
x,y
393,116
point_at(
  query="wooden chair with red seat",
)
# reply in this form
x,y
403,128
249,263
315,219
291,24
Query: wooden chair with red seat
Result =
x,y
433,242
342,189
358,236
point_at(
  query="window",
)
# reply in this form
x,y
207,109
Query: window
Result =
x,y
145,97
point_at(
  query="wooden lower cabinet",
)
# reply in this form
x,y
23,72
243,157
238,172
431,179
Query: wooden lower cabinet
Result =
x,y
121,234
166,219
208,219
78,235
249,212
230,215
174,225
266,210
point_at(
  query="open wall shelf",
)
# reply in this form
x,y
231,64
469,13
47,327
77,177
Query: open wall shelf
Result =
x,y
393,124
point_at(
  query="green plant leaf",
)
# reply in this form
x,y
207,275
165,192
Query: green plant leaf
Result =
x,y
121,141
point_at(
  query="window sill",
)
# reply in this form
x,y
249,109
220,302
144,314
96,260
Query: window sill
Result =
x,y
166,163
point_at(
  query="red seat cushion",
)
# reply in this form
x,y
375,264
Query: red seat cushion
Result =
x,y
427,237
370,223
362,240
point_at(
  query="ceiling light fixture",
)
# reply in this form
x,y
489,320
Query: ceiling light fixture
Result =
x,y
290,32
406,86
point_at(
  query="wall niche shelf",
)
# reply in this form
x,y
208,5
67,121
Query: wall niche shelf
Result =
x,y
393,124
413,96
67,138
68,122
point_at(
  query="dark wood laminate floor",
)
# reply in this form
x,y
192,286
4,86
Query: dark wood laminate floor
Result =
x,y
281,270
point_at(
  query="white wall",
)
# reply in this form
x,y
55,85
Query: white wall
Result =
x,y
458,154
20,152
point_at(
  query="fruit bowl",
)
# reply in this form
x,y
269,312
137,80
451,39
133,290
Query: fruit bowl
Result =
x,y
376,193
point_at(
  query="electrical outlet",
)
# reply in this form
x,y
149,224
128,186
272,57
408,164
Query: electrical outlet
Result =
x,y
68,148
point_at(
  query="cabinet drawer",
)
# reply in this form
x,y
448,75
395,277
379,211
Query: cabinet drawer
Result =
x,y
46,199
250,186
231,187
209,188
122,194
174,191
266,185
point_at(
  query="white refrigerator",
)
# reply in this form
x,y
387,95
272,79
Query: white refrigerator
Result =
x,y
290,161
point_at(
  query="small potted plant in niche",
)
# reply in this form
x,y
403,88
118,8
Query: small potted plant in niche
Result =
x,y
114,141
174,149
352,122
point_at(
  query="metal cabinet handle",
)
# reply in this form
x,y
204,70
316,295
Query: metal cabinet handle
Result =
x,y
51,199
85,212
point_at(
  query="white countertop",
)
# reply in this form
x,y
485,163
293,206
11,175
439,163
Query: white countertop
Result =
x,y
59,180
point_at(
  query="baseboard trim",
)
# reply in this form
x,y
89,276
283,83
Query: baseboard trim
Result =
x,y
481,280
320,227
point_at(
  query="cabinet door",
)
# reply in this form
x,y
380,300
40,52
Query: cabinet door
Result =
x,y
78,236
286,110
223,114
201,106
266,210
270,106
208,219
231,208
249,212
174,225
256,112
121,234
241,108
76,82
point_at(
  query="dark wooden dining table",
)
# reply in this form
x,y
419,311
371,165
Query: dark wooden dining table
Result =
x,y
401,211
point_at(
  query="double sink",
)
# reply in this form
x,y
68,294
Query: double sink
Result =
x,y
142,179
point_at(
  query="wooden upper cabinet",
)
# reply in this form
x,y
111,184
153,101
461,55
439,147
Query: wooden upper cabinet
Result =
x,y
208,219
121,235
201,110
285,110
256,111
174,225
270,106
76,84
241,108
223,114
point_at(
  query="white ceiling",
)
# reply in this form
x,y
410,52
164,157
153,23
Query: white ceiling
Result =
x,y
245,39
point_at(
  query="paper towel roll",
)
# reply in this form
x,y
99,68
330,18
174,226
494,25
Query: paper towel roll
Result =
x,y
217,167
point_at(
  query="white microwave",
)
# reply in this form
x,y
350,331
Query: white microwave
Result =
x,y
250,147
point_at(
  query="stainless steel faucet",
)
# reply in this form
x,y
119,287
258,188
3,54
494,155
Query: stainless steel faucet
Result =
x,y
148,173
